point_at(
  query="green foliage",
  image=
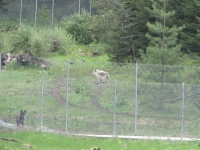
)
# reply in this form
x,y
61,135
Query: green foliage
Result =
x,y
186,12
114,25
4,42
121,24
140,17
44,16
83,90
21,38
79,25
40,41
16,40
163,46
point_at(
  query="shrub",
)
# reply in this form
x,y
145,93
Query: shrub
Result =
x,y
40,41
79,26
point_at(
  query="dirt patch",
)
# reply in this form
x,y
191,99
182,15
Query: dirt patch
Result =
x,y
60,82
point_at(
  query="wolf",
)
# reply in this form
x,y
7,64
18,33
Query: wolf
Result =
x,y
101,75
26,59
6,59
21,118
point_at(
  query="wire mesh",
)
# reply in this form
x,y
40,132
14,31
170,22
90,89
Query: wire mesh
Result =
x,y
72,100
41,12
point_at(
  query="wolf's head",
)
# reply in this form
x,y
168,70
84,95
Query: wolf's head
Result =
x,y
22,114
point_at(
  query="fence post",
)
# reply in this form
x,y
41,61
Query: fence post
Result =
x,y
136,84
52,14
0,65
90,8
182,111
67,90
115,100
41,103
20,19
79,7
36,5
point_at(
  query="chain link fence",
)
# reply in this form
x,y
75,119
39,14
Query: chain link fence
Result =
x,y
137,100
43,12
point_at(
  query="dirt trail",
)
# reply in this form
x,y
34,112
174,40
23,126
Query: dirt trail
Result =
x,y
55,91
60,82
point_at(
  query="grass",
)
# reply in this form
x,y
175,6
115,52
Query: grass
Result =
x,y
21,89
49,141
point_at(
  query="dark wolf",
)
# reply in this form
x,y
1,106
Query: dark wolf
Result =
x,y
21,118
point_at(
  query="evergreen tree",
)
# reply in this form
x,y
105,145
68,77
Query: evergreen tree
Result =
x,y
140,16
163,46
186,12
114,26
197,61
44,16
4,3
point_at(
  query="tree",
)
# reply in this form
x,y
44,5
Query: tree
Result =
x,y
186,12
5,26
44,16
163,46
139,16
114,26
4,3
79,25
198,19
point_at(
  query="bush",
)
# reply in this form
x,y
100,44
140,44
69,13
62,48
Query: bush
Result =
x,y
46,41
40,41
79,26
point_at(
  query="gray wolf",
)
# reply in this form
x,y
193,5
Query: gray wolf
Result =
x,y
27,59
101,75
21,118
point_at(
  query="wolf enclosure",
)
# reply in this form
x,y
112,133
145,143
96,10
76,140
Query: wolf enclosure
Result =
x,y
138,99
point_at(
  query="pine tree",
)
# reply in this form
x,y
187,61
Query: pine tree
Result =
x,y
163,37
4,3
140,16
163,46
186,12
114,24
198,20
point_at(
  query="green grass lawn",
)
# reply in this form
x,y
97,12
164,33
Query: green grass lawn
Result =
x,y
49,141
21,89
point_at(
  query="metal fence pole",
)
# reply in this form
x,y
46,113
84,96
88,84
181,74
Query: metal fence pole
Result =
x,y
20,19
136,87
182,120
52,14
90,8
115,100
67,90
36,5
0,65
79,7
41,103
